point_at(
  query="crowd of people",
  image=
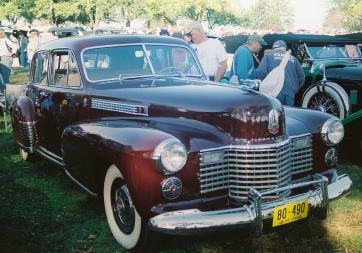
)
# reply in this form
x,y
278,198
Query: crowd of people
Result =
x,y
210,52
213,58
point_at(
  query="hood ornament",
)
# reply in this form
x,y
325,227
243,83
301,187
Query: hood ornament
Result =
x,y
273,125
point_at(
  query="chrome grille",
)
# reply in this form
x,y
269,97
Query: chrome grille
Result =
x,y
261,167
302,154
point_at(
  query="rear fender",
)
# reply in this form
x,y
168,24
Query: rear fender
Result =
x,y
23,119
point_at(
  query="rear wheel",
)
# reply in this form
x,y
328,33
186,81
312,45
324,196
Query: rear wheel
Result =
x,y
127,226
327,99
29,157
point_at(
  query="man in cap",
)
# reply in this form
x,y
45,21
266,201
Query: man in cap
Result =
x,y
243,62
210,52
294,74
34,43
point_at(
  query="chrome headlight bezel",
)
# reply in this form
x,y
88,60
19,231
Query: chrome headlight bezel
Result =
x,y
170,156
332,132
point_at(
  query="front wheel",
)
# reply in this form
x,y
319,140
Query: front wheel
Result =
x,y
329,98
127,227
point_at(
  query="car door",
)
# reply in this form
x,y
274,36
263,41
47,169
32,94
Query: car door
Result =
x,y
57,93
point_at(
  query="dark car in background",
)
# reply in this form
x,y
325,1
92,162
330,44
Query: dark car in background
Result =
x,y
62,32
134,121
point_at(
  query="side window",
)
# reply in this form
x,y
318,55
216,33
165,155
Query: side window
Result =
x,y
40,68
64,71
73,74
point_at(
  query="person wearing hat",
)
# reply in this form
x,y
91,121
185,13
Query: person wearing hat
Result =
x,y
23,41
8,47
294,75
210,52
164,32
34,43
243,62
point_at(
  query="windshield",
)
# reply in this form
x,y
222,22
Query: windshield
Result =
x,y
139,60
335,52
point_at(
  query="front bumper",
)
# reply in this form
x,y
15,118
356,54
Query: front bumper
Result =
x,y
252,216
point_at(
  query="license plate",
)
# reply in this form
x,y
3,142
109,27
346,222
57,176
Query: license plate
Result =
x,y
290,212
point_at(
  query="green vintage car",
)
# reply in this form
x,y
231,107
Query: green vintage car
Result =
x,y
333,69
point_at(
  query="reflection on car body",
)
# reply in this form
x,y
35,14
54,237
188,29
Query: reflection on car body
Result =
x,y
134,120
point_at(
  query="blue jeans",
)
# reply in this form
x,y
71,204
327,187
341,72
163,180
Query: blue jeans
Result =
x,y
285,100
23,58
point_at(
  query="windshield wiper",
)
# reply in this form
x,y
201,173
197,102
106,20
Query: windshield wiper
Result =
x,y
133,76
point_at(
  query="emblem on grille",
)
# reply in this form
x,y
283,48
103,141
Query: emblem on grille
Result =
x,y
273,125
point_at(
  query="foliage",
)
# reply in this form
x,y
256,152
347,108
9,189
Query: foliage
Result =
x,y
262,14
346,14
276,13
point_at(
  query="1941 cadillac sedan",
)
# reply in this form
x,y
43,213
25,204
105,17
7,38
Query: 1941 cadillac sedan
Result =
x,y
134,121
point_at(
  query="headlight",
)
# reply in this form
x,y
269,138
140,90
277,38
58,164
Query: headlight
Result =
x,y
170,156
332,131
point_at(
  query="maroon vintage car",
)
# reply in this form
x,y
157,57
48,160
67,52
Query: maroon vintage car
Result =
x,y
134,121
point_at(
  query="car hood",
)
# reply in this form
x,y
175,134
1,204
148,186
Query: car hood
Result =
x,y
242,114
337,69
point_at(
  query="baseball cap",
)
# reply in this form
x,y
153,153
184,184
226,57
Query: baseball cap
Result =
x,y
279,43
257,38
194,25
33,30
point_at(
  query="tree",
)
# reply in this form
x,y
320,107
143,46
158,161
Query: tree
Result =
x,y
277,13
13,10
197,9
345,14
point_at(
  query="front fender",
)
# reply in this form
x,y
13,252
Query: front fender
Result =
x,y
90,148
23,118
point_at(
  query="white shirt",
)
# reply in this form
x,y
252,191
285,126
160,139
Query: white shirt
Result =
x,y
210,53
4,49
33,45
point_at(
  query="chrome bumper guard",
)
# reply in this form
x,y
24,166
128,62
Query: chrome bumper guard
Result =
x,y
194,221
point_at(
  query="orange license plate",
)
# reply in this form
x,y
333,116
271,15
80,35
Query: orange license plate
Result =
x,y
290,212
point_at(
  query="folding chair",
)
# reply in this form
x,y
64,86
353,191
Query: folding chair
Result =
x,y
8,92
3,103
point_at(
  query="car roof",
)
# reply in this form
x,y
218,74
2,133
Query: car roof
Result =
x,y
357,36
81,42
291,38
62,29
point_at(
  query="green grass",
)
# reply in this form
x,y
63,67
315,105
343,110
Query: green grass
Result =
x,y
42,210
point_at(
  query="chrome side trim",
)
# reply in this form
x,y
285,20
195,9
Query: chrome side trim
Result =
x,y
51,157
194,221
79,184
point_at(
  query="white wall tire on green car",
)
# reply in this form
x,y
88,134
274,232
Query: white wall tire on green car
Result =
x,y
331,99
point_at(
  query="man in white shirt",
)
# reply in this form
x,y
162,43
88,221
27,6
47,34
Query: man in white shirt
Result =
x,y
34,43
7,48
210,52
